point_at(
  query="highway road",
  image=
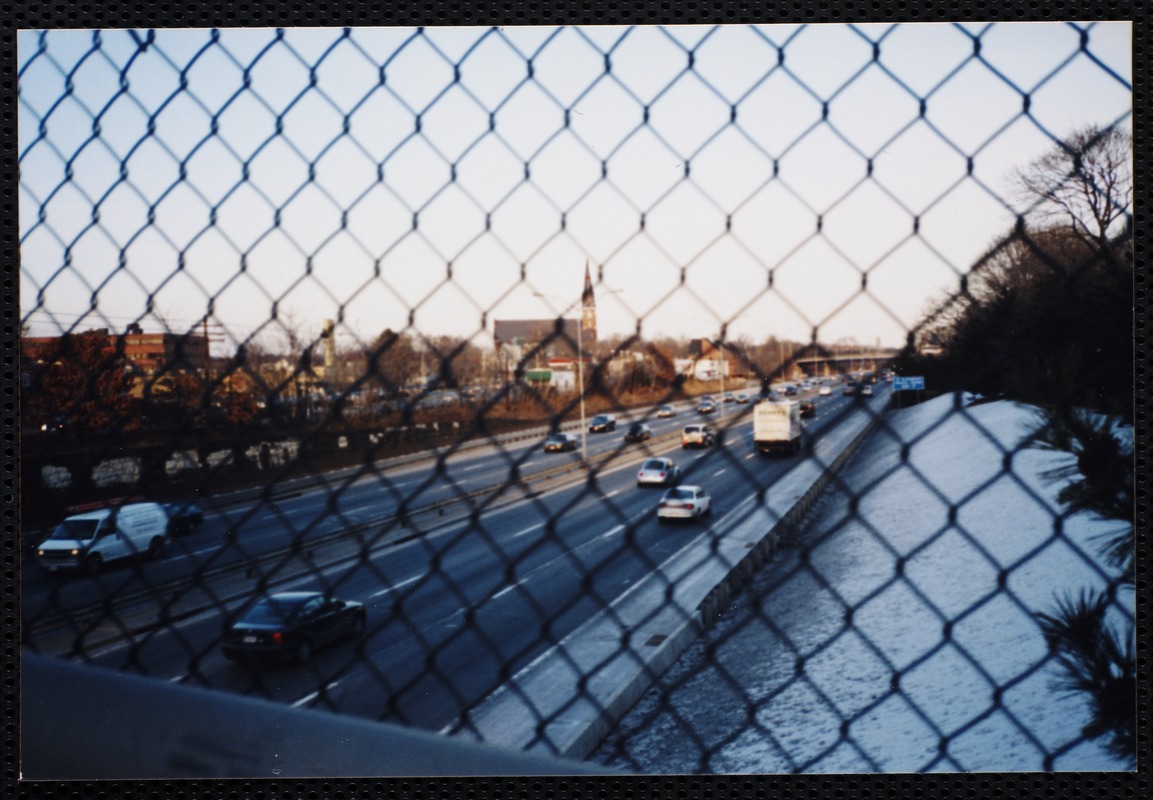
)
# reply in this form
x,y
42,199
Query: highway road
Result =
x,y
467,575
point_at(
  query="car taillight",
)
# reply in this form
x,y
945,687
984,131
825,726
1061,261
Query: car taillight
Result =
x,y
278,638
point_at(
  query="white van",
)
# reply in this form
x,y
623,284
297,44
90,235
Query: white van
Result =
x,y
107,534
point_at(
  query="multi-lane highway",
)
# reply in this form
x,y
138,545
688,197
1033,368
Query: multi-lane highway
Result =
x,y
470,566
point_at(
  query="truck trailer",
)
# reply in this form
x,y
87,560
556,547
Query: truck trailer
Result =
x,y
777,427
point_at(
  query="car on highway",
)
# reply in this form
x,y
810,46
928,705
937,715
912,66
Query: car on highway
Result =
x,y
560,442
850,389
866,390
808,408
602,423
697,436
706,407
790,391
666,411
825,390
638,432
684,502
728,397
183,517
658,472
92,539
290,626
742,398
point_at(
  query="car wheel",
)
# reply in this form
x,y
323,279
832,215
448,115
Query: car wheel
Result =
x,y
303,652
358,623
155,545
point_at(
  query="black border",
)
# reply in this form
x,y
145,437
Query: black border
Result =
x,y
337,13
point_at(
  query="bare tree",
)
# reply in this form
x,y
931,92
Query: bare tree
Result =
x,y
1086,181
393,359
456,359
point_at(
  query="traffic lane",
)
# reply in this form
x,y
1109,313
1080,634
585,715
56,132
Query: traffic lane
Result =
x,y
429,629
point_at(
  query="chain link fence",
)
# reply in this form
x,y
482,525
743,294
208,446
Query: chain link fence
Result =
x,y
300,309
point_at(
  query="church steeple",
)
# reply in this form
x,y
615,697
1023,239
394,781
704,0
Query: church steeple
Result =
x,y
588,309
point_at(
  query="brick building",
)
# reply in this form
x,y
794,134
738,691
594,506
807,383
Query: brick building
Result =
x,y
148,352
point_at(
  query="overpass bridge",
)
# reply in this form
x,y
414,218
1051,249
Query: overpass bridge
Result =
x,y
837,363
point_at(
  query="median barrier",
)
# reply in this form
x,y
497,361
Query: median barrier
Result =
x,y
570,697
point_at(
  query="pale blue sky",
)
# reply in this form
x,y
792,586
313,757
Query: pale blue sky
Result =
x,y
349,211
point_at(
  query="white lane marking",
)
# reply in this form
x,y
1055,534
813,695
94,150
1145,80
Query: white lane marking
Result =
x,y
400,585
202,552
509,588
308,698
178,679
613,493
527,530
720,472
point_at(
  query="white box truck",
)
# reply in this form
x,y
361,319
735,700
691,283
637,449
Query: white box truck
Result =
x,y
777,427
108,534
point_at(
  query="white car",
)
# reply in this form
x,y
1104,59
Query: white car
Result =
x,y
697,436
658,472
824,391
666,411
684,502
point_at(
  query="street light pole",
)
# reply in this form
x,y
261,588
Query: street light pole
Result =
x,y
724,365
581,379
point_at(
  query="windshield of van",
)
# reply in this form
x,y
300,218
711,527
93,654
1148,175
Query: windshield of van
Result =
x,y
75,529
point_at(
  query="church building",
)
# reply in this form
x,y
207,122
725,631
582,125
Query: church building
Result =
x,y
554,338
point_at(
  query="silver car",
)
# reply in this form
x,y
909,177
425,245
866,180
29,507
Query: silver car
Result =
x,y
658,472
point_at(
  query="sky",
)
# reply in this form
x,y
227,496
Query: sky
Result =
x,y
776,180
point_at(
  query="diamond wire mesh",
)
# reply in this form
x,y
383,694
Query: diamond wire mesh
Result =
x,y
111,158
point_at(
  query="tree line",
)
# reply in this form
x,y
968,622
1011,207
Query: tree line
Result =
x,y
1046,318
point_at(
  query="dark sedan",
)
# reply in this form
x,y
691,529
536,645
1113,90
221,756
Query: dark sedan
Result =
x,y
808,408
560,442
289,626
638,432
602,423
183,517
